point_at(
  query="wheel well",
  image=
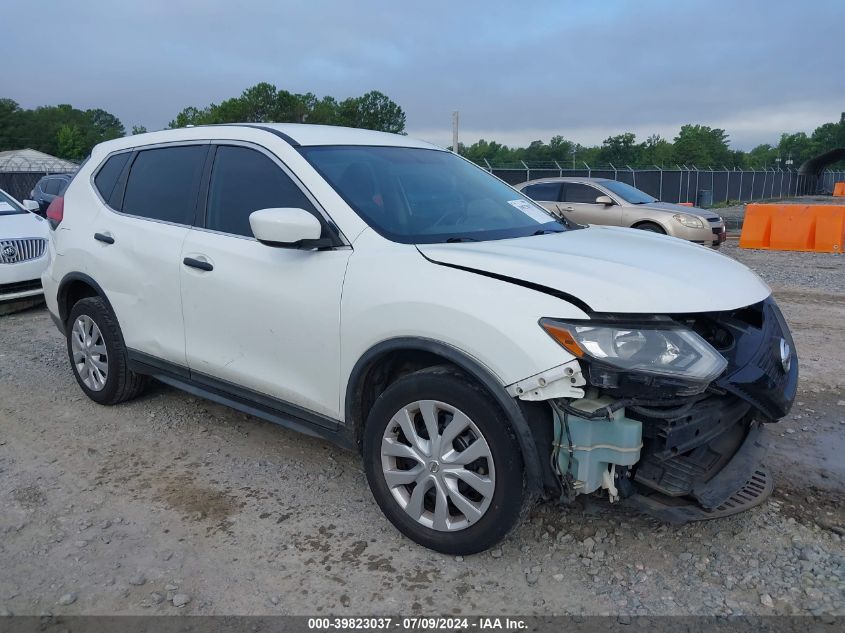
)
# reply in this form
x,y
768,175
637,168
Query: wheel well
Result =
x,y
71,292
381,372
637,225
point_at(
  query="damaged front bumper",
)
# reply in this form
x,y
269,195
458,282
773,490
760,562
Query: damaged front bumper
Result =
x,y
677,456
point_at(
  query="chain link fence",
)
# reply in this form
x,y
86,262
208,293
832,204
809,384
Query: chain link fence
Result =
x,y
18,174
702,187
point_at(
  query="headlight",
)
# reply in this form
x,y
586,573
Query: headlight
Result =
x,y
672,351
689,221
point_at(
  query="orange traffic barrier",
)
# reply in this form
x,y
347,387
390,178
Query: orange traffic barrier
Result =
x,y
685,204
794,227
839,189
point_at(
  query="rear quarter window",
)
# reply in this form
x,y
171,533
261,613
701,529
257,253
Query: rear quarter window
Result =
x,y
106,179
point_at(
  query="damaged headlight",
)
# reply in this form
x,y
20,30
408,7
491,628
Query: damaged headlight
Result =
x,y
671,351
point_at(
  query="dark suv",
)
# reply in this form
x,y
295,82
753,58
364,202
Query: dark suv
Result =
x,y
48,188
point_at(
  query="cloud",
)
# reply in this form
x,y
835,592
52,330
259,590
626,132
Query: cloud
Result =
x,y
516,71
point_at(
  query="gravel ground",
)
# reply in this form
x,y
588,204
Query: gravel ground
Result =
x,y
171,504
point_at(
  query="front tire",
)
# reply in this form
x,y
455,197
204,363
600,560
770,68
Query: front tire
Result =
x,y
443,463
97,354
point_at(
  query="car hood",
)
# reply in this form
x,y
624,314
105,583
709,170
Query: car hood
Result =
x,y
22,225
678,208
613,269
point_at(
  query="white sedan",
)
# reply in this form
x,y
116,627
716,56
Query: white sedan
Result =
x,y
23,254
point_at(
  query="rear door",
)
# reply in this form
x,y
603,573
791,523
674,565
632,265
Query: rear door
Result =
x,y
137,241
262,318
578,203
546,194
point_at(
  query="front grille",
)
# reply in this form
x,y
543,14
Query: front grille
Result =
x,y
714,220
20,286
21,250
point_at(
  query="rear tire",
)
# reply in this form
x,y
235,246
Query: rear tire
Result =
x,y
462,492
98,355
651,227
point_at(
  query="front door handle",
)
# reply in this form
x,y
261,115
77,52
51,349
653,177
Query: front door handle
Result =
x,y
198,263
105,238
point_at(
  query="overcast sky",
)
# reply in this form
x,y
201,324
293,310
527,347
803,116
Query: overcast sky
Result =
x,y
516,71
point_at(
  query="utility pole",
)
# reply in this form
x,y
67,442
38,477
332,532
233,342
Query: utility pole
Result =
x,y
455,131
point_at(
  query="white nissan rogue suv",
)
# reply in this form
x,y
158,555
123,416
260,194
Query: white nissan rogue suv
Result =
x,y
392,297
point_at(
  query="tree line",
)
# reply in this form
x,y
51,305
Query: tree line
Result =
x,y
265,103
698,145
68,132
60,130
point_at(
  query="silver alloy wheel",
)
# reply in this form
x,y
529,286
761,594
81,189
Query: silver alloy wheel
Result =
x,y
90,357
437,465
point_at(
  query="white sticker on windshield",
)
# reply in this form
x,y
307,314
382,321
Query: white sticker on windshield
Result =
x,y
5,206
531,211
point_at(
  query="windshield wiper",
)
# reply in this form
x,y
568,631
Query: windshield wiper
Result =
x,y
546,231
457,240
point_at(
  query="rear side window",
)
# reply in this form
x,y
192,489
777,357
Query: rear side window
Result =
x,y
242,181
162,183
52,186
576,192
106,179
543,191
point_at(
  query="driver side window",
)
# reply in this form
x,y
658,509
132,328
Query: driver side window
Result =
x,y
580,193
244,180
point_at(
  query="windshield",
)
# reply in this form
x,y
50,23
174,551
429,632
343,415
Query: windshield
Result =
x,y
423,196
628,193
9,206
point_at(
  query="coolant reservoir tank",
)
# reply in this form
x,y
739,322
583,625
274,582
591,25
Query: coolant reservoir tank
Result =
x,y
595,444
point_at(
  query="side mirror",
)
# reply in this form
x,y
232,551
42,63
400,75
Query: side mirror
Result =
x,y
605,200
31,205
287,228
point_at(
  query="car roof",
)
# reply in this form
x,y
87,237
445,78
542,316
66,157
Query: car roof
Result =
x,y
567,179
296,134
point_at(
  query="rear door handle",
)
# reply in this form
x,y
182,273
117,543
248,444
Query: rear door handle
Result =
x,y
197,263
105,238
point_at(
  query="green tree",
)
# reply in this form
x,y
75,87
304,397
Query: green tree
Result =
x,y
372,111
264,102
39,128
762,157
70,142
620,150
701,146
138,129
655,150
795,146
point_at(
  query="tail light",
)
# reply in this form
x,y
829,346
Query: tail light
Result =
x,y
56,211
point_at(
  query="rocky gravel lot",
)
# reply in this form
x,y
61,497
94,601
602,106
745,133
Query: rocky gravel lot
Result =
x,y
171,504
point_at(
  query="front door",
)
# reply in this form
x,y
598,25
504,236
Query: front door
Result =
x,y
578,203
263,318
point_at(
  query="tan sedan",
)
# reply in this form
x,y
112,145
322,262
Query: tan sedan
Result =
x,y
604,201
